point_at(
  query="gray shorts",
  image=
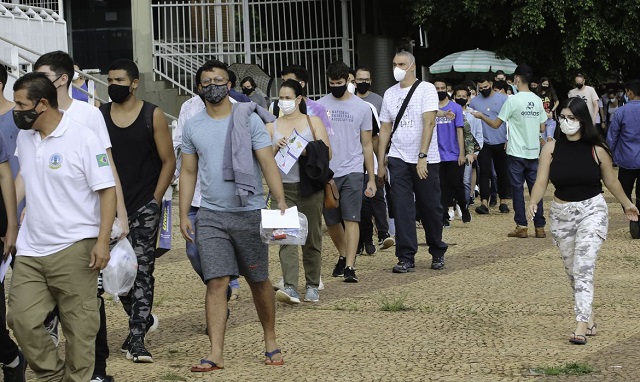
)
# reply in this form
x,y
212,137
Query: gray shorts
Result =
x,y
351,194
229,244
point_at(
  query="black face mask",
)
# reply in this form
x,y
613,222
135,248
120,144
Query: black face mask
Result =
x,y
25,119
442,96
338,91
485,92
118,93
579,86
362,87
461,101
214,93
247,91
544,87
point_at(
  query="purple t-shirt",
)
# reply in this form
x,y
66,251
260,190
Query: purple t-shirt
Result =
x,y
314,108
448,133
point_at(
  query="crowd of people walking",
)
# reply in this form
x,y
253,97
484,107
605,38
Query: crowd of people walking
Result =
x,y
407,160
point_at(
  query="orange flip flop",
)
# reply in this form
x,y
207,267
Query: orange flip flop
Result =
x,y
269,361
213,366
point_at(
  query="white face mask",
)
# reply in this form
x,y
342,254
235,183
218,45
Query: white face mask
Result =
x,y
287,106
351,88
569,127
76,76
399,74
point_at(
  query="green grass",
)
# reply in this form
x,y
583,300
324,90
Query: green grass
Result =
x,y
393,303
567,369
172,377
348,306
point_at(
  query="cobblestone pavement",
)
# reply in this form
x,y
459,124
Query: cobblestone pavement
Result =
x,y
500,308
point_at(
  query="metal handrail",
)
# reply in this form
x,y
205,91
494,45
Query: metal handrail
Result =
x,y
85,74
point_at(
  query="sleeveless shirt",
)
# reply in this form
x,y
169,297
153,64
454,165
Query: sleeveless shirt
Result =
x,y
574,171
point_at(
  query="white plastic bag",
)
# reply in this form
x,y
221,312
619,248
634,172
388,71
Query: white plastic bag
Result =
x,y
120,274
291,236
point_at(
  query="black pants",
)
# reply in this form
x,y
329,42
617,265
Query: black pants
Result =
x,y
627,178
8,348
497,156
407,191
452,186
373,208
102,347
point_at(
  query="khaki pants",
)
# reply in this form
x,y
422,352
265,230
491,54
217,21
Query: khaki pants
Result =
x,y
311,207
37,286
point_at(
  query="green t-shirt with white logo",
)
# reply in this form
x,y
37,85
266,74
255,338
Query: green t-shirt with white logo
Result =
x,y
525,113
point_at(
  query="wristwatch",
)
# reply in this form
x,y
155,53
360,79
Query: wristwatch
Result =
x,y
422,155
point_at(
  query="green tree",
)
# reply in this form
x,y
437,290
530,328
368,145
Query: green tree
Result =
x,y
557,37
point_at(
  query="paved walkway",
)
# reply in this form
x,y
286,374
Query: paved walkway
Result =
x,y
501,307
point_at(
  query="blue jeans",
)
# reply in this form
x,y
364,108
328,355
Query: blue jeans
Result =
x,y
521,170
192,250
408,193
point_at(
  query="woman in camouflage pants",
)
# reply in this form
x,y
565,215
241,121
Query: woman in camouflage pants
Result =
x,y
575,163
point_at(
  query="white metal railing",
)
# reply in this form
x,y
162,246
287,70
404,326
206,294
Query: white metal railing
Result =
x,y
54,5
21,61
269,33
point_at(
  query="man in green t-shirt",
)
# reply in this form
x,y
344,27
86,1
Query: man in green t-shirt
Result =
x,y
526,121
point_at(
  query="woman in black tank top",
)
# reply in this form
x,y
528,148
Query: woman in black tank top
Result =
x,y
575,163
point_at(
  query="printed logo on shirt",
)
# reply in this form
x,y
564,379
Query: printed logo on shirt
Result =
x,y
530,112
102,160
55,161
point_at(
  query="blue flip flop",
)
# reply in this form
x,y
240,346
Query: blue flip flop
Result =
x,y
213,366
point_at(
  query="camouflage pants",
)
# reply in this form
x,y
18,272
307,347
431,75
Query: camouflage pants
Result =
x,y
579,229
143,232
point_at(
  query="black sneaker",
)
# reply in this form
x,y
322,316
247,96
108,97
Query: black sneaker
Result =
x,y
482,209
125,345
370,248
466,215
446,223
101,378
404,267
504,208
338,271
634,229
137,352
16,374
437,262
360,249
493,201
350,275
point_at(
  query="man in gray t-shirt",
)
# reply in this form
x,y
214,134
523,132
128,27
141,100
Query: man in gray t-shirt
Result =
x,y
228,225
363,83
352,148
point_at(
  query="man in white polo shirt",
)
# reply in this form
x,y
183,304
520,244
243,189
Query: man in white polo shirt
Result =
x,y
64,238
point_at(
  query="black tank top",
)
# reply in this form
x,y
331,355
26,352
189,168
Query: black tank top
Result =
x,y
136,157
574,171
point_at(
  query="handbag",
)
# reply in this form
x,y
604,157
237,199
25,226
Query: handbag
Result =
x,y
331,193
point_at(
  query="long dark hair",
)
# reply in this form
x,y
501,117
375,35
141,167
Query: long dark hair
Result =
x,y
588,132
551,91
297,90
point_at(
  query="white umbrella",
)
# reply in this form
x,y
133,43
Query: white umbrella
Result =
x,y
474,60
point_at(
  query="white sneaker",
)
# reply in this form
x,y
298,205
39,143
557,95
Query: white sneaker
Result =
x,y
452,214
321,285
458,211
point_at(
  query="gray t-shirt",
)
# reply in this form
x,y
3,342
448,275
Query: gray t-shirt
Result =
x,y
375,100
206,137
348,118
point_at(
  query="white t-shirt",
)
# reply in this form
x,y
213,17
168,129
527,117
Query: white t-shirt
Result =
x,y
406,141
91,117
588,95
61,176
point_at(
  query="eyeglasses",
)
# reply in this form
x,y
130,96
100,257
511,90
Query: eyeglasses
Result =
x,y
215,81
363,80
563,117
